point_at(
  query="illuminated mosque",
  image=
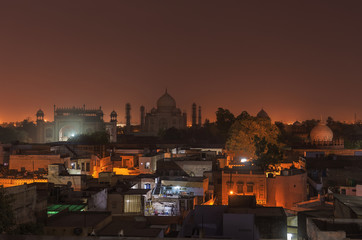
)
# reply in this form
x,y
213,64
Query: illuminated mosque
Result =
x,y
69,122
322,136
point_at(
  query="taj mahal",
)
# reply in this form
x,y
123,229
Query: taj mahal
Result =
x,y
69,122
165,116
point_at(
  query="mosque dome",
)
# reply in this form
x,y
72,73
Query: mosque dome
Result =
x,y
113,114
40,113
262,114
321,133
166,102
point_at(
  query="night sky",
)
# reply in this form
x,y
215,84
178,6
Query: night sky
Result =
x,y
296,59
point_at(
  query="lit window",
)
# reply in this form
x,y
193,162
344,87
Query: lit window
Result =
x,y
132,203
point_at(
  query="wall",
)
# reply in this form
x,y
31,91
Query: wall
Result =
x,y
23,202
359,190
314,233
9,182
285,191
241,180
98,201
35,162
153,163
195,168
115,203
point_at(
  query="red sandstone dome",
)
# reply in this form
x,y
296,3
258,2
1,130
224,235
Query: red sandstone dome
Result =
x,y
321,133
166,102
262,114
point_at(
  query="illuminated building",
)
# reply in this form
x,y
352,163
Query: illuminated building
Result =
x,y
165,116
241,181
69,122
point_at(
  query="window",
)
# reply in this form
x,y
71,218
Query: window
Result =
x,y
250,188
132,203
240,187
147,186
87,166
83,168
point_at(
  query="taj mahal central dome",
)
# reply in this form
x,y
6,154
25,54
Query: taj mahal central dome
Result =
x,y
165,116
166,102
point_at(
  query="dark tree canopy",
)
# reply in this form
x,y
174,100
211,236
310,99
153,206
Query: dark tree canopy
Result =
x,y
224,120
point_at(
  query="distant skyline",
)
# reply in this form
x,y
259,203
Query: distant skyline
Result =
x,y
297,60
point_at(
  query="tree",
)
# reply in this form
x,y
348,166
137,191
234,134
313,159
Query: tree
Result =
x,y
7,219
330,121
224,120
267,153
254,138
243,115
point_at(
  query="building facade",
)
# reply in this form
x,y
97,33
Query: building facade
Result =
x,y
165,116
69,122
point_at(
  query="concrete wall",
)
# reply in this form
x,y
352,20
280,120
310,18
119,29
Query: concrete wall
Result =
x,y
35,162
115,203
195,168
285,191
314,233
152,160
98,201
359,190
23,202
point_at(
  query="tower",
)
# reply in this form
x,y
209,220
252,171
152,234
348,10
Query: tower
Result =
x,y
39,116
199,117
40,126
128,117
113,116
194,114
142,111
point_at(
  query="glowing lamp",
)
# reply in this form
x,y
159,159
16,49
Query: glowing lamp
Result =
x,y
231,192
243,160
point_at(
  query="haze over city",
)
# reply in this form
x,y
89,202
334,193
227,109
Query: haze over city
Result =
x,y
297,60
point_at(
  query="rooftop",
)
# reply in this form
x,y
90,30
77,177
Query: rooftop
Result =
x,y
77,219
353,202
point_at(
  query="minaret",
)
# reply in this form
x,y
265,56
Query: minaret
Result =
x,y
128,117
184,116
142,122
199,117
40,126
113,116
40,116
194,114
